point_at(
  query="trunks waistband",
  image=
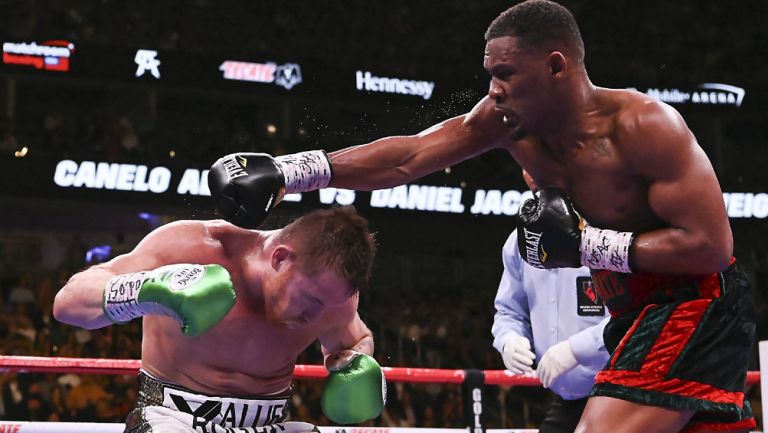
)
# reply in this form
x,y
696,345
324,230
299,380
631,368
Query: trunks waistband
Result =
x,y
628,293
254,411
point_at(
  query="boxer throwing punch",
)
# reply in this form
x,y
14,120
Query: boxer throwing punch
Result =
x,y
651,221
226,312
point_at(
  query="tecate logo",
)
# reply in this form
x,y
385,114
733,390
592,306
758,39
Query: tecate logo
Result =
x,y
286,75
48,55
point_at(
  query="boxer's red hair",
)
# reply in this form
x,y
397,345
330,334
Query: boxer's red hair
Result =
x,y
337,239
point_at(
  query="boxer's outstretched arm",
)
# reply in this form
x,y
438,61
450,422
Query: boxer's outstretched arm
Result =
x,y
683,191
393,161
81,301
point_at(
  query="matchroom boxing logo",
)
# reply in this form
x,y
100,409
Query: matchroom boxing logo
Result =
x,y
49,55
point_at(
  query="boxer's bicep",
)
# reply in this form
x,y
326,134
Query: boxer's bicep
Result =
x,y
683,191
392,161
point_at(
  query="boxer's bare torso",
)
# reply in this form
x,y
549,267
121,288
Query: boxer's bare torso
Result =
x,y
244,354
626,161
281,308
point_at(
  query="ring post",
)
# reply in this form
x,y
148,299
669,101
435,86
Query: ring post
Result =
x,y
474,381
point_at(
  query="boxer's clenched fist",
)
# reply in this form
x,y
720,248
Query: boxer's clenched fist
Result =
x,y
549,231
552,235
247,186
197,296
355,390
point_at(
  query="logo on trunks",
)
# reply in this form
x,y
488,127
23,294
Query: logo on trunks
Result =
x,y
210,414
532,247
587,299
183,278
234,167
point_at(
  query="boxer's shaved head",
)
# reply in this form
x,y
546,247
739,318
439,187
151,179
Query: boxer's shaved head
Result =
x,y
540,24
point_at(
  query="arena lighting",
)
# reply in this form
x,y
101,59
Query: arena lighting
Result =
x,y
21,153
98,254
271,129
151,218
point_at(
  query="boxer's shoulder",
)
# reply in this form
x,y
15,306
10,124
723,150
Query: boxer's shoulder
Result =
x,y
647,130
194,240
640,114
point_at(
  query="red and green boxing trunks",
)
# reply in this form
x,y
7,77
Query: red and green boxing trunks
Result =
x,y
680,342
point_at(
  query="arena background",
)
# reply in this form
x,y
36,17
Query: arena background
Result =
x,y
280,77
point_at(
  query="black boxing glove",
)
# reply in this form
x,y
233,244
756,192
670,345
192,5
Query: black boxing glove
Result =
x,y
551,234
246,186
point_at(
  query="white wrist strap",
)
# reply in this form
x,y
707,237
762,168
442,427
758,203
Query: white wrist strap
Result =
x,y
606,249
305,171
121,297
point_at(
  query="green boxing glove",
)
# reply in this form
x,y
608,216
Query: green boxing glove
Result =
x,y
355,390
198,296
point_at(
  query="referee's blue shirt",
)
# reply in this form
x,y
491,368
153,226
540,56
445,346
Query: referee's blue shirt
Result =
x,y
548,306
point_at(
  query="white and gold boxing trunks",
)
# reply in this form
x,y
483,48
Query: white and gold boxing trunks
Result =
x,y
166,408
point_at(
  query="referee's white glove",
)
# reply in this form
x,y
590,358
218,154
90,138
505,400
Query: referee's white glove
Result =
x,y
557,360
517,355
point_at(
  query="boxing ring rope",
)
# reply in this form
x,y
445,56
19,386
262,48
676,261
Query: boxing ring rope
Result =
x,y
40,364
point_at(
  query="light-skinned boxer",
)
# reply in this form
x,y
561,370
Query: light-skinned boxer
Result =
x,y
226,311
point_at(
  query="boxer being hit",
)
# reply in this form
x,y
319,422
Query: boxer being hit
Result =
x,y
227,310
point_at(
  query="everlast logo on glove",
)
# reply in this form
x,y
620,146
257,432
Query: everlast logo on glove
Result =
x,y
549,221
245,198
532,245
234,167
